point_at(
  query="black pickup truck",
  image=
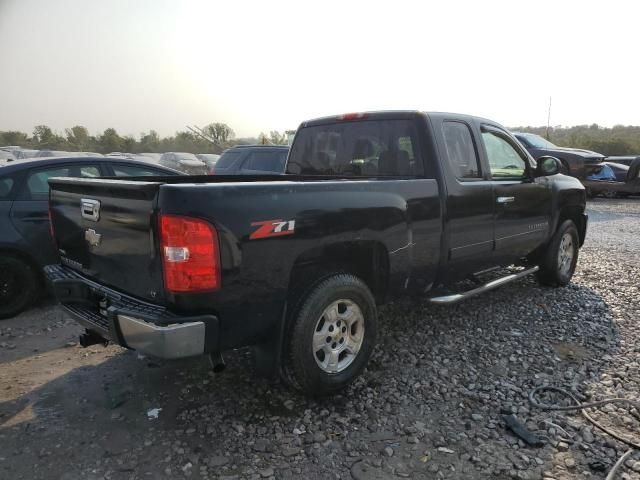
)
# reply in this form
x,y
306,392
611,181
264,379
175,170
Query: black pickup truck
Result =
x,y
373,206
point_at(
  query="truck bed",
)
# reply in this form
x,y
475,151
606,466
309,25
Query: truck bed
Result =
x,y
400,216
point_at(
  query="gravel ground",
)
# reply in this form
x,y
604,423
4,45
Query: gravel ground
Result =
x,y
428,406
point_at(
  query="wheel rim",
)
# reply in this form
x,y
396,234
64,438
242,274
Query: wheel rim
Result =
x,y
565,254
338,336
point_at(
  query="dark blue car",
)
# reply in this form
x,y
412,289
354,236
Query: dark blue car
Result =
x,y
25,240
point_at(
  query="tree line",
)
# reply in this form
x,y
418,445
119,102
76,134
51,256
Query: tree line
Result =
x,y
617,140
212,138
215,137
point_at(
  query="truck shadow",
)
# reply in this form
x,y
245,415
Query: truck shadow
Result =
x,y
433,368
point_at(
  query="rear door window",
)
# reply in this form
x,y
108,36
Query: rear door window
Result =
x,y
461,151
362,148
265,161
37,187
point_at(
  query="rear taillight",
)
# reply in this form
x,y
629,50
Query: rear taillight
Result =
x,y
190,254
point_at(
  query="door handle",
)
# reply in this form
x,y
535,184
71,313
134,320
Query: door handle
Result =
x,y
504,200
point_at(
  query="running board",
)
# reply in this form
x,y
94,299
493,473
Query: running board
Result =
x,y
456,297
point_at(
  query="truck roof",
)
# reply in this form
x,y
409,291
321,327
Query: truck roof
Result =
x,y
388,115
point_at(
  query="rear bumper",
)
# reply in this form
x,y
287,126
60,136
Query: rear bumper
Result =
x,y
129,322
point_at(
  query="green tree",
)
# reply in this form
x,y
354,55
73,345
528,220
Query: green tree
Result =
x,y
110,141
14,138
149,142
277,138
45,138
78,138
43,135
128,144
219,133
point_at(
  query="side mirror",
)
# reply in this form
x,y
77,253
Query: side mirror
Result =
x,y
547,166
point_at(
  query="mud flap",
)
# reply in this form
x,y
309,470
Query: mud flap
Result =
x,y
268,353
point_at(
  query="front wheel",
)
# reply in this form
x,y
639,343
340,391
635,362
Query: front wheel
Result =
x,y
559,260
331,336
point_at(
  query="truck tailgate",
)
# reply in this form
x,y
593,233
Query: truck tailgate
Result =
x,y
105,229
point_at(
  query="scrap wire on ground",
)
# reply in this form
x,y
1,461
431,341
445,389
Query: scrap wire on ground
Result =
x,y
635,445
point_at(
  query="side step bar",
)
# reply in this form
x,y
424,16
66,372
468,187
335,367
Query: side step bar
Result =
x,y
456,297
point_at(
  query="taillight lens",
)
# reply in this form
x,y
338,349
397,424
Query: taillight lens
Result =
x,y
190,254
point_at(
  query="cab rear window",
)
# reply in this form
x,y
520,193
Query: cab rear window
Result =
x,y
366,148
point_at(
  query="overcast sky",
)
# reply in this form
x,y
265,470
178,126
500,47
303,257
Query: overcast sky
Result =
x,y
268,65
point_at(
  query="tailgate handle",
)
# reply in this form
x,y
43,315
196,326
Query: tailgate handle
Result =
x,y
90,209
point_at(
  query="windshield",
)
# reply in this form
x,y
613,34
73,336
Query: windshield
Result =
x,y
535,141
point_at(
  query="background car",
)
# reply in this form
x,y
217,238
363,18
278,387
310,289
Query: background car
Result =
x,y
576,162
623,159
210,159
154,155
142,157
252,160
25,239
184,162
87,154
61,153
23,153
614,180
6,156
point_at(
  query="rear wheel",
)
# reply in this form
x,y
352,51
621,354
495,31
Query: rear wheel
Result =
x,y
19,286
559,260
331,336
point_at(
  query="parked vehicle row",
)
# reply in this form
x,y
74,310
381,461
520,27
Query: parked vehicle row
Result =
x,y
614,180
25,240
372,206
252,160
239,160
576,162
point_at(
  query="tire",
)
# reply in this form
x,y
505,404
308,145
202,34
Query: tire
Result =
x,y
330,336
556,268
19,286
610,194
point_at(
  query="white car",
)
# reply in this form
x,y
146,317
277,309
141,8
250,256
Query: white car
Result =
x,y
184,162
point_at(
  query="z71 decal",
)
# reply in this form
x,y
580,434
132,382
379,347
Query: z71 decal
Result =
x,y
272,228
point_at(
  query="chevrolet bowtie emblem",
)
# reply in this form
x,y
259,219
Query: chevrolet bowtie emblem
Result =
x,y
92,237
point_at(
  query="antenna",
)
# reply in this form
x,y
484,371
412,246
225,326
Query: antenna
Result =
x,y
548,118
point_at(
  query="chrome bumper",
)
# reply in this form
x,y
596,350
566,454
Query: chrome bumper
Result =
x,y
171,341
